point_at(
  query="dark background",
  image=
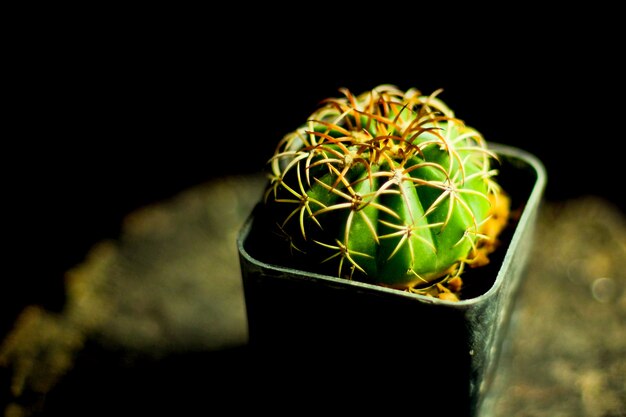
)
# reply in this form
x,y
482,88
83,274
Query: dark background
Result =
x,y
103,121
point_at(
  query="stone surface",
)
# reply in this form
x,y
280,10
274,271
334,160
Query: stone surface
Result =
x,y
568,357
164,302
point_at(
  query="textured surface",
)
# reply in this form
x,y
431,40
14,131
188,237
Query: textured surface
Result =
x,y
568,357
146,308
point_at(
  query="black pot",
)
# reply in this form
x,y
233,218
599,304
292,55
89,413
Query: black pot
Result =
x,y
325,335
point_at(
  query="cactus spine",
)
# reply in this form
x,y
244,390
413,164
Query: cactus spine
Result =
x,y
389,188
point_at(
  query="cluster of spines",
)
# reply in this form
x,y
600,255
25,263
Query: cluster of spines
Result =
x,y
384,135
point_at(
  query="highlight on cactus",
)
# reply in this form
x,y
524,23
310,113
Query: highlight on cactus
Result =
x,y
387,187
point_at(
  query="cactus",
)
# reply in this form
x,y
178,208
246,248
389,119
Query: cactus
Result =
x,y
388,187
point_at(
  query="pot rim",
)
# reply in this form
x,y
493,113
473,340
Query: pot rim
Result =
x,y
525,221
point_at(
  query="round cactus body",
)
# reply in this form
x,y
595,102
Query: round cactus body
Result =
x,y
388,187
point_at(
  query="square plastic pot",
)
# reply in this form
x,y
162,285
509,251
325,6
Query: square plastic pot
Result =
x,y
324,334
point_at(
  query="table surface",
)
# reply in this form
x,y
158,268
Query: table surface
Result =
x,y
164,301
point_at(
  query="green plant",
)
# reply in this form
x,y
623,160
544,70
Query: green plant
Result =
x,y
387,187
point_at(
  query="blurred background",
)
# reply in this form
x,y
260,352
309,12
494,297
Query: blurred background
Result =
x,y
107,119
108,111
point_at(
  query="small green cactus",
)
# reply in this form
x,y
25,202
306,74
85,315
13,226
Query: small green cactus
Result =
x,y
390,188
